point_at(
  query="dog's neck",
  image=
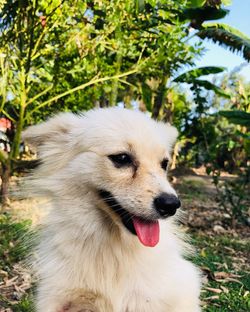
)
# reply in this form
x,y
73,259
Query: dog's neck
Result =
x,y
86,225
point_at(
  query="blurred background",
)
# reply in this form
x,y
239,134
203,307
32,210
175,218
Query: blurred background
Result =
x,y
185,62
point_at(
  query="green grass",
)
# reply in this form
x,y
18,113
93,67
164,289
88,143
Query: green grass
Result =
x,y
219,253
12,236
25,305
227,255
14,247
192,189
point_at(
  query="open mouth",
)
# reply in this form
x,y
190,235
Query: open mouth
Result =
x,y
148,231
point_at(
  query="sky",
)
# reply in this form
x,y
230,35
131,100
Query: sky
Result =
x,y
238,17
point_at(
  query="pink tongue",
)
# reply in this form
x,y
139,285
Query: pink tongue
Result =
x,y
148,232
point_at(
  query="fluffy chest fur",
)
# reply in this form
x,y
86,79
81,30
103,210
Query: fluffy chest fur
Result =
x,y
132,277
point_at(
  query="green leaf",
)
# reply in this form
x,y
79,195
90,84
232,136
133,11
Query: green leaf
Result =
x,y
210,86
198,72
191,76
231,145
246,144
199,15
227,37
237,117
140,5
147,96
196,3
228,28
245,136
227,2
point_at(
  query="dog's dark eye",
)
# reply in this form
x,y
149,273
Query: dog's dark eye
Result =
x,y
164,164
121,160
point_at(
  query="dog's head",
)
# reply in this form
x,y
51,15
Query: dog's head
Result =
x,y
119,156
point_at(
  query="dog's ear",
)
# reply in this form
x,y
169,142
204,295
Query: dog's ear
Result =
x,y
171,133
54,141
54,130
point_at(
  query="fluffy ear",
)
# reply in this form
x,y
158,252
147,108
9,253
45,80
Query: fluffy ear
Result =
x,y
53,130
170,134
54,141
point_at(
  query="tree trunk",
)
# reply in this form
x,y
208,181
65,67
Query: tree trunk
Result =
x,y
5,176
174,157
159,99
103,102
115,82
169,108
168,114
7,163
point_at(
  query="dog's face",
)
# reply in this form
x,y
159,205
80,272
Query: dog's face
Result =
x,y
121,156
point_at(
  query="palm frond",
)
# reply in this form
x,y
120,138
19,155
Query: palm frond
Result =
x,y
202,14
237,117
227,37
210,86
192,74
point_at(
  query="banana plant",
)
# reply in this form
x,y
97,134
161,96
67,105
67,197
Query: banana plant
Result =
x,y
191,77
200,12
237,117
228,37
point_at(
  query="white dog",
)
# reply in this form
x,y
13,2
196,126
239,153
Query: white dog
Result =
x,y
110,243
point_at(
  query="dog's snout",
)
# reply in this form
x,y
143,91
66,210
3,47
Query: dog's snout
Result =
x,y
166,204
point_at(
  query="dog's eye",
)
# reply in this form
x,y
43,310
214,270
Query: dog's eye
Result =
x,y
121,160
164,164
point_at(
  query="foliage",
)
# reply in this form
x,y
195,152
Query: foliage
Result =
x,y
209,86
228,282
222,254
223,34
13,250
198,72
210,3
12,235
98,39
191,76
203,13
221,144
233,193
71,56
228,37
237,117
220,138
52,51
25,305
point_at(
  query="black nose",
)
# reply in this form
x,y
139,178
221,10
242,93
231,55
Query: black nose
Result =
x,y
166,204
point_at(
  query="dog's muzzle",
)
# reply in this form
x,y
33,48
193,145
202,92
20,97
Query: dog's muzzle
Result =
x,y
148,231
166,204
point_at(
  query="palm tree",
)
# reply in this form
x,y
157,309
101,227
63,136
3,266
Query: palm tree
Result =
x,y
220,33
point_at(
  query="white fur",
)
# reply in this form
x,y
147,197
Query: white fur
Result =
x,y
87,259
